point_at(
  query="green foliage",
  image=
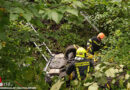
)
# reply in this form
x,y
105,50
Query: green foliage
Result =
x,y
105,76
119,50
62,38
111,17
17,61
61,24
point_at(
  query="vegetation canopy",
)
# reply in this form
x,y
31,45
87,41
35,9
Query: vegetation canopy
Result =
x,y
61,23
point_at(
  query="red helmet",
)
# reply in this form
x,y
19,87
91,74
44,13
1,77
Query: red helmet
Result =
x,y
101,35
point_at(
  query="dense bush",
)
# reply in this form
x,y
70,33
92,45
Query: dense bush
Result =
x,y
19,61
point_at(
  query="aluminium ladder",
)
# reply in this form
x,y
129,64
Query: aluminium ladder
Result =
x,y
40,50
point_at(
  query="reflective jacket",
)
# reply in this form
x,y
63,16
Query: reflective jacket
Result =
x,y
80,68
94,44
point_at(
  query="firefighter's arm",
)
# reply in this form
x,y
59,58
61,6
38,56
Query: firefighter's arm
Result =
x,y
89,42
89,45
104,46
70,69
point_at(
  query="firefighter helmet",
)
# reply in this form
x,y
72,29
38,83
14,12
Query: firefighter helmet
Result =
x,y
101,35
81,52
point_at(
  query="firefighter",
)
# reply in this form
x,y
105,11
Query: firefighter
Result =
x,y
95,43
80,67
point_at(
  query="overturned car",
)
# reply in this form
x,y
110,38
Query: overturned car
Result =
x,y
59,62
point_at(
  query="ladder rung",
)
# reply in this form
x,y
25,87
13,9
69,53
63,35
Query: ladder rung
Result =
x,y
40,45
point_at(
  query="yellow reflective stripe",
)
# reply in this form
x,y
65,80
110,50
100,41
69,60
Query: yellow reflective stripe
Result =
x,y
95,60
90,49
82,64
88,69
88,43
87,72
96,43
108,86
90,40
77,70
70,76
